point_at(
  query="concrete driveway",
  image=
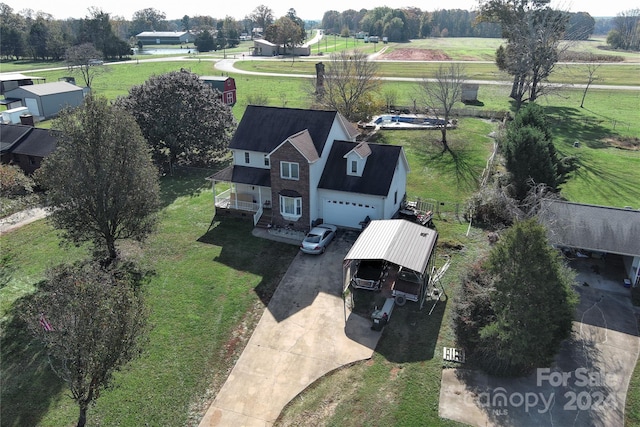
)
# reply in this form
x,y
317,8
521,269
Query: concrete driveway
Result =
x,y
301,336
587,385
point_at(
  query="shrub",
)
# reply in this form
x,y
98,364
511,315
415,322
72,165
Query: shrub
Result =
x,y
13,182
492,207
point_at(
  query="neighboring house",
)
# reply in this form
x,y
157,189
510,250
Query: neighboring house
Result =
x,y
226,86
262,47
165,37
596,229
46,100
296,168
25,146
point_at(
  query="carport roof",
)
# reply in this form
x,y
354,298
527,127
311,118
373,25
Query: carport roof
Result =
x,y
399,241
594,228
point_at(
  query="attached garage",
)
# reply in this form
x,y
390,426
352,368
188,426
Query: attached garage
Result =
x,y
348,212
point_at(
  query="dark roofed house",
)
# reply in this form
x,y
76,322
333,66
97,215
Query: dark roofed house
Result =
x,y
25,146
296,167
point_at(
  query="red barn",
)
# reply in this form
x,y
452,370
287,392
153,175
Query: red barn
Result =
x,y
226,86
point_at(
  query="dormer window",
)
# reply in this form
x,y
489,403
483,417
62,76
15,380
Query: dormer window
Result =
x,y
266,161
247,158
357,159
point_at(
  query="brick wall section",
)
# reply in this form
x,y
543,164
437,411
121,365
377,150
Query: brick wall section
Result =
x,y
289,154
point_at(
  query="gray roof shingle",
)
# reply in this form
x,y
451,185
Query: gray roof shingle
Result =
x,y
376,177
264,128
591,227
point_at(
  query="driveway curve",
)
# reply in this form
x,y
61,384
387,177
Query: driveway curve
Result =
x,y
304,333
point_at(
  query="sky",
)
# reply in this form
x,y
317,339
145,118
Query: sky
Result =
x,y
305,9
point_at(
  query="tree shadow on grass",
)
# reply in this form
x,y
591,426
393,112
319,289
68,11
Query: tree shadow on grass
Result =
x,y
185,182
575,124
29,386
593,173
242,251
455,162
412,334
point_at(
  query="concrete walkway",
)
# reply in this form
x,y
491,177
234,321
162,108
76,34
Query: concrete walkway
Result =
x,y
304,333
21,218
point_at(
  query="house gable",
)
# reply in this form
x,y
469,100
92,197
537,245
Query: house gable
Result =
x,y
290,182
357,159
376,177
225,85
303,143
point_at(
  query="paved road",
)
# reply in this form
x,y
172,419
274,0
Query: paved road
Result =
x,y
228,66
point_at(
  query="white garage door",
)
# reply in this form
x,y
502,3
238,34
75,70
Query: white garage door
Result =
x,y
346,214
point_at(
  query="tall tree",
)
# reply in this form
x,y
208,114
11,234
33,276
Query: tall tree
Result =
x,y
262,16
184,119
533,302
100,178
92,320
533,32
12,33
204,41
530,155
38,35
78,61
349,81
148,19
285,32
441,93
97,29
626,32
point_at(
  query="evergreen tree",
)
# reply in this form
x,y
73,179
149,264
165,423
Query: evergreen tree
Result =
x,y
533,302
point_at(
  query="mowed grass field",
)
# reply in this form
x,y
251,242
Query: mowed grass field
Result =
x,y
212,283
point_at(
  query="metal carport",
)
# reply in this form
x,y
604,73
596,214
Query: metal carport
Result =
x,y
397,241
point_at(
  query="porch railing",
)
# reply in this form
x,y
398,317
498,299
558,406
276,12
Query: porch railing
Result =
x,y
227,200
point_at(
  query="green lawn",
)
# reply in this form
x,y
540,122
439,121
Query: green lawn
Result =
x,y
608,74
206,296
211,286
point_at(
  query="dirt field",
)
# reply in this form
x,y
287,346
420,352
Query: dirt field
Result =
x,y
409,54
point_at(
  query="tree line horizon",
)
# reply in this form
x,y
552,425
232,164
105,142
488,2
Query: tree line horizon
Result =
x,y
37,35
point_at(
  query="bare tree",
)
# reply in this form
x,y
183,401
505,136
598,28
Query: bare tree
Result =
x,y
262,16
441,93
591,68
349,81
533,32
390,98
85,59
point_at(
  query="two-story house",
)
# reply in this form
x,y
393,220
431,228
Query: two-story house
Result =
x,y
295,167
